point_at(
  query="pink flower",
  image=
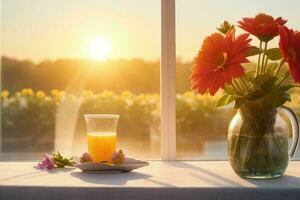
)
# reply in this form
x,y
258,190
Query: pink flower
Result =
x,y
86,158
47,163
118,157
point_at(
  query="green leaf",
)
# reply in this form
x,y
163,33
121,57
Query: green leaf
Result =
x,y
268,84
279,95
229,90
264,83
60,164
273,54
279,98
285,88
226,99
253,51
59,155
61,161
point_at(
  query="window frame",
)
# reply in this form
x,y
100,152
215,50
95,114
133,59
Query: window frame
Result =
x,y
168,80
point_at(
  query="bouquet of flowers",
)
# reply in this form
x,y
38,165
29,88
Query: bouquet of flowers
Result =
x,y
256,89
218,64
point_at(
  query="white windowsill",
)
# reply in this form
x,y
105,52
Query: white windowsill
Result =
x,y
161,180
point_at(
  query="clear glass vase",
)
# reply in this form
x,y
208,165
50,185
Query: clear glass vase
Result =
x,y
258,140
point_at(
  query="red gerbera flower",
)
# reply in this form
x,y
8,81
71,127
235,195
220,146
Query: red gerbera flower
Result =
x,y
263,26
219,61
289,45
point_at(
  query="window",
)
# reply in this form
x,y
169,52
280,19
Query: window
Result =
x,y
61,59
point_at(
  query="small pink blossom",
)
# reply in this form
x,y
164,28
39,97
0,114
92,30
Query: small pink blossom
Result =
x,y
86,158
47,163
118,157
115,155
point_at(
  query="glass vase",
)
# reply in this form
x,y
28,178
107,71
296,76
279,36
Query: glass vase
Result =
x,y
258,139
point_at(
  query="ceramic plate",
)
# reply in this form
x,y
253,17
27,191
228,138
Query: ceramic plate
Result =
x,y
128,165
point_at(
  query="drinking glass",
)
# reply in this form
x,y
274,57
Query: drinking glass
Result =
x,y
101,136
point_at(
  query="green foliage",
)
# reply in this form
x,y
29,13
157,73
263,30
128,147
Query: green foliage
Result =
x,y
61,161
264,83
277,97
225,27
197,117
253,51
226,99
29,118
25,112
229,89
273,54
266,87
261,86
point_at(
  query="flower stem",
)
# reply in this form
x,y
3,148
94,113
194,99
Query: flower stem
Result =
x,y
242,83
245,82
236,84
235,88
284,77
259,57
266,65
263,59
279,67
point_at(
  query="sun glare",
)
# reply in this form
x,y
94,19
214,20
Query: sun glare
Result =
x,y
99,49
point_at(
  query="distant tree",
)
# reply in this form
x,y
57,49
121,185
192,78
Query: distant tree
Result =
x,y
136,75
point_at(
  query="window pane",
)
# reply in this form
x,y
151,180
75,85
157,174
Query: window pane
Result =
x,y
201,127
62,59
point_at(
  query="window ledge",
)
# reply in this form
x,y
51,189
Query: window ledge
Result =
x,y
161,180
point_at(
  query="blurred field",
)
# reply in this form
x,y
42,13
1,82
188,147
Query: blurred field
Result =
x,y
29,120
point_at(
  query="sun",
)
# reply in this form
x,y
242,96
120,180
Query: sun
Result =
x,y
99,49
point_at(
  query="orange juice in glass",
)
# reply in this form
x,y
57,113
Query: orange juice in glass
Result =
x,y
101,136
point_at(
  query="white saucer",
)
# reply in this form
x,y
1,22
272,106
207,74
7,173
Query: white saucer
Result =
x,y
128,165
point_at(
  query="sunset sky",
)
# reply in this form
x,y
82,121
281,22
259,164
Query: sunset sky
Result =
x,y
51,29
